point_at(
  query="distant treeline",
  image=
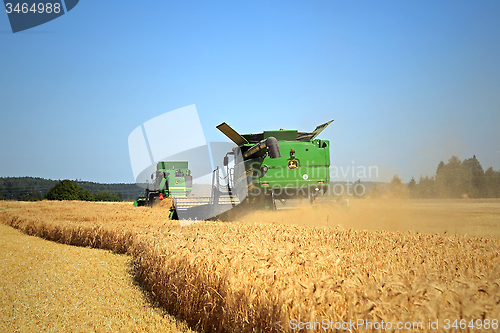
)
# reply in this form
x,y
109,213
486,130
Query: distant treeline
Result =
x,y
455,179
31,189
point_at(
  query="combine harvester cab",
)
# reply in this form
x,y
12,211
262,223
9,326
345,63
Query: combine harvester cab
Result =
x,y
273,167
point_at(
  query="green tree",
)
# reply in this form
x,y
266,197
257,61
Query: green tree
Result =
x,y
107,196
396,187
440,167
477,188
37,196
412,188
453,179
491,183
68,190
10,190
426,187
2,197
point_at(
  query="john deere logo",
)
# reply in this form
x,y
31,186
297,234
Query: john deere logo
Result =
x,y
293,164
26,14
176,182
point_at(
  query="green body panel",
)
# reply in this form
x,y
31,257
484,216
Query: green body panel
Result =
x,y
293,174
176,179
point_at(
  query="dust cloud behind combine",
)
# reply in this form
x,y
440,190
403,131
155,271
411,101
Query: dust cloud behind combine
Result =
x,y
474,217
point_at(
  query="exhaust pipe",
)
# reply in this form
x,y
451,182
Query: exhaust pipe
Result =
x,y
270,143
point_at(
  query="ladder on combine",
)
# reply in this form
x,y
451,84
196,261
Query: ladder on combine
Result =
x,y
223,194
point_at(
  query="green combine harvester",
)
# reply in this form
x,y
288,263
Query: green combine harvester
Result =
x,y
268,170
171,180
273,167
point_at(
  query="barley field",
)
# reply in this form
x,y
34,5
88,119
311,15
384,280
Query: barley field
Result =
x,y
430,266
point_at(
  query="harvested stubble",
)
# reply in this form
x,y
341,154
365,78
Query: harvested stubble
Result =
x,y
246,277
51,287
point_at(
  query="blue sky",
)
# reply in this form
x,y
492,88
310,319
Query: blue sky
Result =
x,y
408,83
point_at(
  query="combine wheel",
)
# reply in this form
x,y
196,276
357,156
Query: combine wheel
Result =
x,y
173,213
152,199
